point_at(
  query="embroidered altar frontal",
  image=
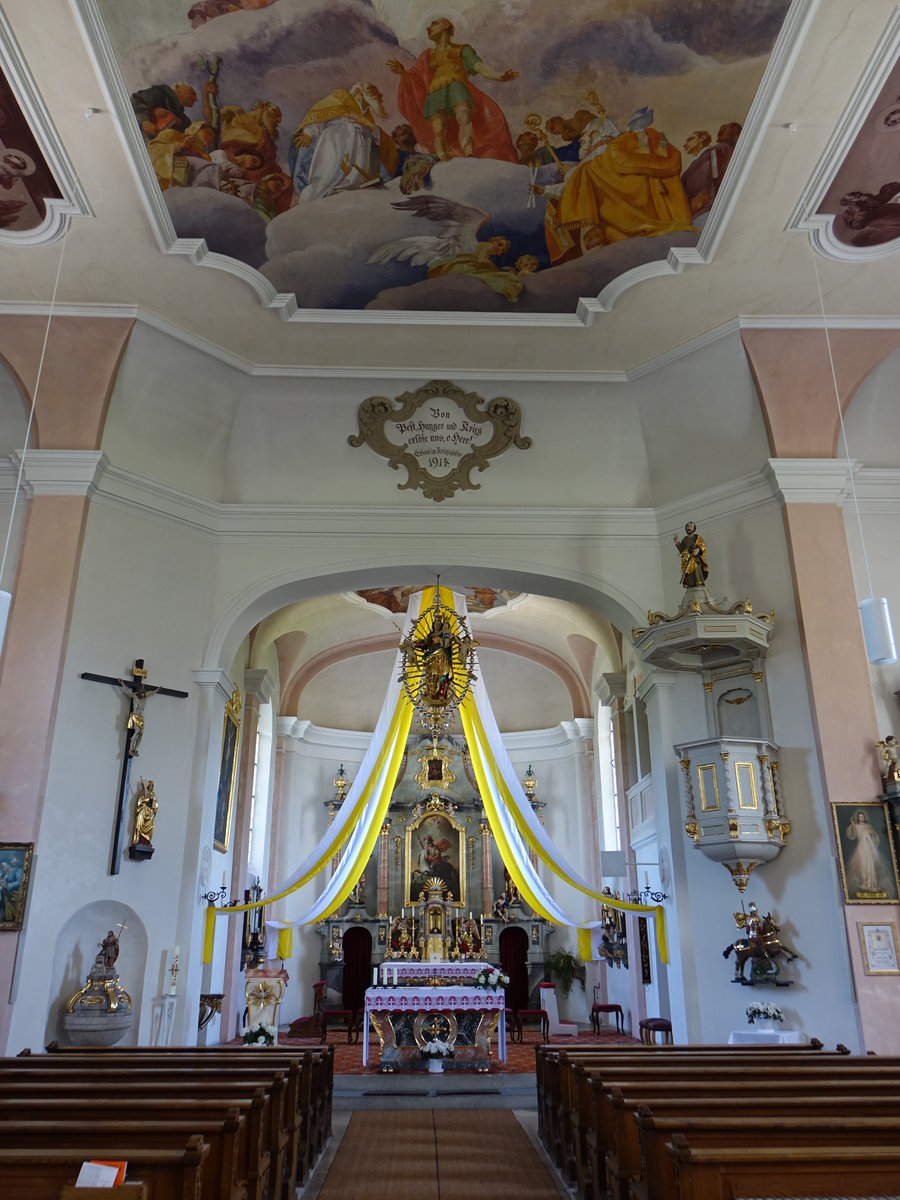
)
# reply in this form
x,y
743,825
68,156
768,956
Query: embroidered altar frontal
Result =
x,y
405,1018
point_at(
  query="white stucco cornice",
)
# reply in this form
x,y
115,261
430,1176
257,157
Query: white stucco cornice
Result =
x,y
60,472
214,679
827,481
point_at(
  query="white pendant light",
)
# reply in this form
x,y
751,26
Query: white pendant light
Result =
x,y
881,648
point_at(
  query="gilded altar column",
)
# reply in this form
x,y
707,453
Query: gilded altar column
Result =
x,y
383,871
487,868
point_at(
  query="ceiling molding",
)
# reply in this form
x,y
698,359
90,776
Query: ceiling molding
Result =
x,y
90,473
454,371
74,201
805,216
578,693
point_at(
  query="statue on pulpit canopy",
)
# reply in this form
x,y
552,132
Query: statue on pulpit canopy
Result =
x,y
692,548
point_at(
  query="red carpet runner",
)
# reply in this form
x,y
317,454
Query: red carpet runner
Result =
x,y
437,1154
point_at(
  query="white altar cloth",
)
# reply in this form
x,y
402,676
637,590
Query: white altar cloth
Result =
x,y
436,999
427,970
767,1037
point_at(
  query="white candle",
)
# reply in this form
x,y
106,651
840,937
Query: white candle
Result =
x,y
395,976
374,977
223,879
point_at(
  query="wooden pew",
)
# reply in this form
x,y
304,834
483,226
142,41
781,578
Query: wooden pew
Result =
x,y
281,1121
565,1106
624,1095
220,1179
556,1089
592,1133
724,1172
822,1122
316,1126
42,1174
60,1102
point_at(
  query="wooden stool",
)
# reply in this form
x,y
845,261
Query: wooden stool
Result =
x,y
651,1026
615,1009
531,1014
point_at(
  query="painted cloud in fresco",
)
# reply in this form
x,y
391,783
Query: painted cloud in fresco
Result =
x,y
675,69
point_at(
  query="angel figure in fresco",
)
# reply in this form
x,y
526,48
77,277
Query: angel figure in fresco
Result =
x,y
455,250
448,113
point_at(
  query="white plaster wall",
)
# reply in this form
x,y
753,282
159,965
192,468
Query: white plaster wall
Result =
x,y
747,556
143,591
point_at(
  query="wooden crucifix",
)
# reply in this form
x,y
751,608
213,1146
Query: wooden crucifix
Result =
x,y
138,692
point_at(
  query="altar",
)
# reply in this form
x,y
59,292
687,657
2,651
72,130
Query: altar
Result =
x,y
406,1017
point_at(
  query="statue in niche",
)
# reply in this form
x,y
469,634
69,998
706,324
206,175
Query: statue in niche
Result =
x,y
890,759
692,548
146,808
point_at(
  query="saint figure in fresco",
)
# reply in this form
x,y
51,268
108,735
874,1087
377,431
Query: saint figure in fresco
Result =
x,y
448,114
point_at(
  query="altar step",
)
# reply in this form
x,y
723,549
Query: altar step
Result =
x,y
361,1093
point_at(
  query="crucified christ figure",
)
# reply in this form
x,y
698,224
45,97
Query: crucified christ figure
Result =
x,y
139,697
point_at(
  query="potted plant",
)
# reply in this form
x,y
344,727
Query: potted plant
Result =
x,y
435,1052
259,1035
563,965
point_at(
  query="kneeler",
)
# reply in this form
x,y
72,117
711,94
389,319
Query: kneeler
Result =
x,y
314,1024
551,1008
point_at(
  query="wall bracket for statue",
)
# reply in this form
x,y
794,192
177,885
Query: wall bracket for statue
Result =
x,y
440,434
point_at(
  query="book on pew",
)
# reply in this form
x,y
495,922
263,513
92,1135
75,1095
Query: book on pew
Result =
x,y
97,1173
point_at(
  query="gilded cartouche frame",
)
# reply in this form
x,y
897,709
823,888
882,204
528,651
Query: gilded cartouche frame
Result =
x,y
434,818
228,764
877,815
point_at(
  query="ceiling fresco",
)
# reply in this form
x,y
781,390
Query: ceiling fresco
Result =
x,y
26,179
864,196
403,155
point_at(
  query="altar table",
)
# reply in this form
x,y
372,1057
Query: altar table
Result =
x,y
415,999
422,972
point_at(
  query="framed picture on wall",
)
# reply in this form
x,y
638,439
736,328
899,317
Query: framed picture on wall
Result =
x,y
879,947
865,853
435,848
15,872
231,736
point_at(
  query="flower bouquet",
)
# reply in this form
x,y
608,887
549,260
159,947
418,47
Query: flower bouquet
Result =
x,y
763,1013
491,977
437,1049
259,1035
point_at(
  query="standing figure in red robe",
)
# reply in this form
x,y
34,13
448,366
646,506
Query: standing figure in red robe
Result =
x,y
449,115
